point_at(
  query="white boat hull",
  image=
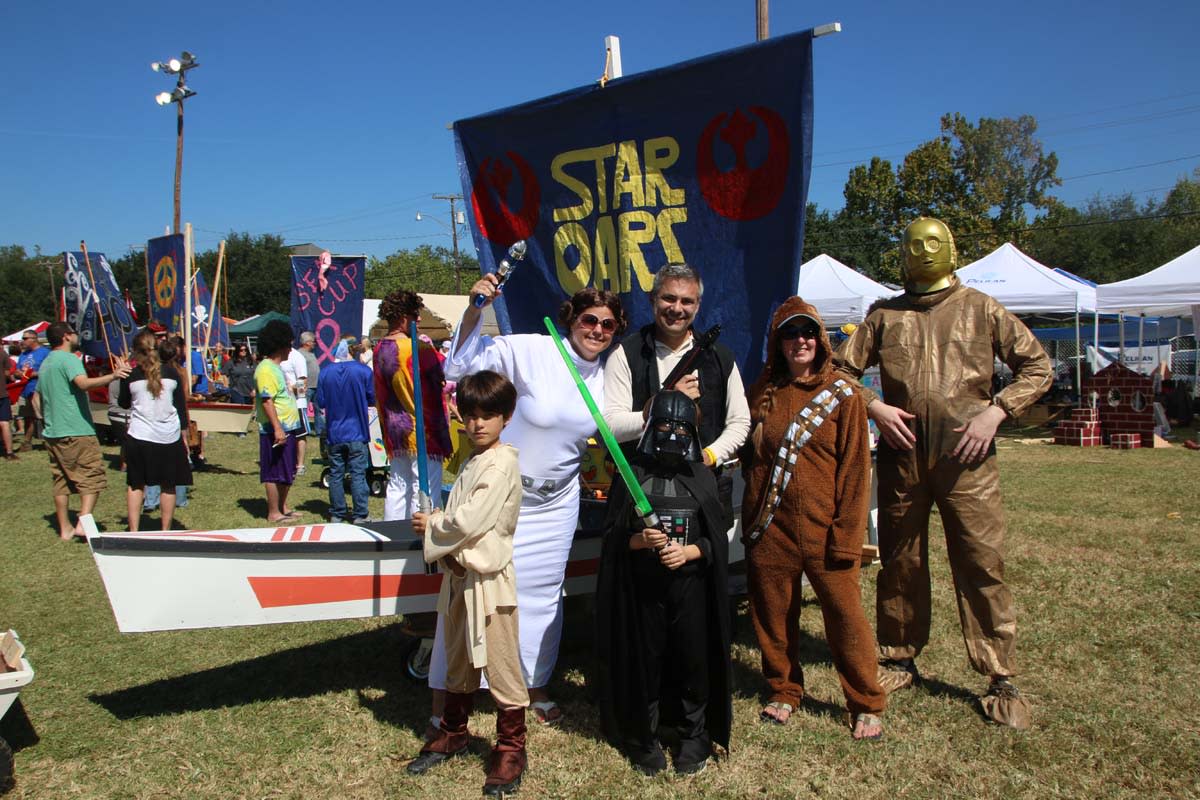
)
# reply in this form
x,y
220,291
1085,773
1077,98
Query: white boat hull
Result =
x,y
259,576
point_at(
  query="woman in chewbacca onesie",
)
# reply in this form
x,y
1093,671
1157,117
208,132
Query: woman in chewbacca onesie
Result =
x,y
806,514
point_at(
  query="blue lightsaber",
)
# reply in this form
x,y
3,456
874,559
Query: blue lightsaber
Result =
x,y
505,270
424,501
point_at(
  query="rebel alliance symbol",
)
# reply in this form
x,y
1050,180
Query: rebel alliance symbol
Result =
x,y
744,192
496,220
164,282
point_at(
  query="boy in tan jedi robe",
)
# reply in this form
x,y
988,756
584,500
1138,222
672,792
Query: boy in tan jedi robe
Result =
x,y
472,542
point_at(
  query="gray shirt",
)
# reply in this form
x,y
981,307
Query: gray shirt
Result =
x,y
314,369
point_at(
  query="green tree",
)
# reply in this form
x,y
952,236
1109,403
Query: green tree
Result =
x,y
867,228
424,269
25,294
1114,238
130,273
258,273
983,180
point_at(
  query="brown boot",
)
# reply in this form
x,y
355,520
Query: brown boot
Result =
x,y
507,763
451,737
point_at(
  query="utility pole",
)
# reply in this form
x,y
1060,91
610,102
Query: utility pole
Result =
x,y
454,198
760,15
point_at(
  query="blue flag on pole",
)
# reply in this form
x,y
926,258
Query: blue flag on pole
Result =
x,y
327,299
165,271
96,310
705,162
208,326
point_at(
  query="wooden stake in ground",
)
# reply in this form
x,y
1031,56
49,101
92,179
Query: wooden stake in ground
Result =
x,y
216,288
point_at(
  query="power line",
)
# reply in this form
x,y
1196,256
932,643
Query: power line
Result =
x,y
1127,169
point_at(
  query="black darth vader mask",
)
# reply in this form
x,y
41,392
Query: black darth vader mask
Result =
x,y
670,434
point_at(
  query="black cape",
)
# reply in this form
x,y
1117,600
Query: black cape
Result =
x,y
621,687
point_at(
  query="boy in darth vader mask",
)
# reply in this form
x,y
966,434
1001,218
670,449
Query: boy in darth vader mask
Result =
x,y
662,606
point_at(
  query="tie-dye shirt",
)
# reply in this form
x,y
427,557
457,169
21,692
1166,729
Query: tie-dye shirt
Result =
x,y
269,384
394,397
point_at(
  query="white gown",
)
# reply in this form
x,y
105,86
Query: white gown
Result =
x,y
550,429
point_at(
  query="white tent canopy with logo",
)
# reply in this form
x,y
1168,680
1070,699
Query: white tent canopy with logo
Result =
x,y
1024,286
839,293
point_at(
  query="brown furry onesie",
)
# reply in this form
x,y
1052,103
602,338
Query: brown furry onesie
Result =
x,y
817,529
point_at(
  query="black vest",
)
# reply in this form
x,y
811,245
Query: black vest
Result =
x,y
714,366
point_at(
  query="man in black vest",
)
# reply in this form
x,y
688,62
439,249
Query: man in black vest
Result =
x,y
633,373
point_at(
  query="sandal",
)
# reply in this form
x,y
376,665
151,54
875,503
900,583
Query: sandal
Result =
x,y
547,712
865,720
777,718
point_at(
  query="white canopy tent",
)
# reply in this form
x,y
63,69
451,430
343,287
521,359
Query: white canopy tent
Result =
x,y
1024,286
1173,287
1172,290
839,293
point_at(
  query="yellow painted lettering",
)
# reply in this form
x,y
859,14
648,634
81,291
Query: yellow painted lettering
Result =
x,y
660,153
574,277
587,202
666,218
605,255
635,229
627,178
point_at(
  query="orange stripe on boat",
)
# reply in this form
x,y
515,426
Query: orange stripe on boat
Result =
x,y
297,534
279,591
317,530
278,535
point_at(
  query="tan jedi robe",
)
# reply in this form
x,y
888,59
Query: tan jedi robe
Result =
x,y
473,536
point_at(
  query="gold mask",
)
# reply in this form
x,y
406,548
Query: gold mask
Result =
x,y
929,255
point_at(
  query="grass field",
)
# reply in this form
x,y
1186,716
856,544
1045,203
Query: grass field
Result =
x,y
1104,553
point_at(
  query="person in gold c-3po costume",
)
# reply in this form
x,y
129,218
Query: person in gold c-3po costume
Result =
x,y
934,345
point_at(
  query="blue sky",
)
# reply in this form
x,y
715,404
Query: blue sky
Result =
x,y
326,122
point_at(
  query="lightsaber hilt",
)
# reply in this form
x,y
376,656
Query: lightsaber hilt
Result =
x,y
640,501
516,254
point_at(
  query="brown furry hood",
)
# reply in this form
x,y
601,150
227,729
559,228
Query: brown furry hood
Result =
x,y
775,371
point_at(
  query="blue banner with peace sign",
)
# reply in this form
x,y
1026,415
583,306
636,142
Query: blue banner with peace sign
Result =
x,y
165,273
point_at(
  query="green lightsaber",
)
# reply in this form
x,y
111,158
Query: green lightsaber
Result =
x,y
649,518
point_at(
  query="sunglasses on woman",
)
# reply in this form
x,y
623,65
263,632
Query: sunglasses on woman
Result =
x,y
789,332
608,324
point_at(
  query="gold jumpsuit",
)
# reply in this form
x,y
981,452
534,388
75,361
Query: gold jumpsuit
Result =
x,y
935,354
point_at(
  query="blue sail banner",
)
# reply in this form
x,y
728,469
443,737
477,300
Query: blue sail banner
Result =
x,y
95,307
327,299
705,162
165,273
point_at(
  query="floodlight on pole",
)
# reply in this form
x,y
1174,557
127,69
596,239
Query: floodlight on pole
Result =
x,y
176,66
